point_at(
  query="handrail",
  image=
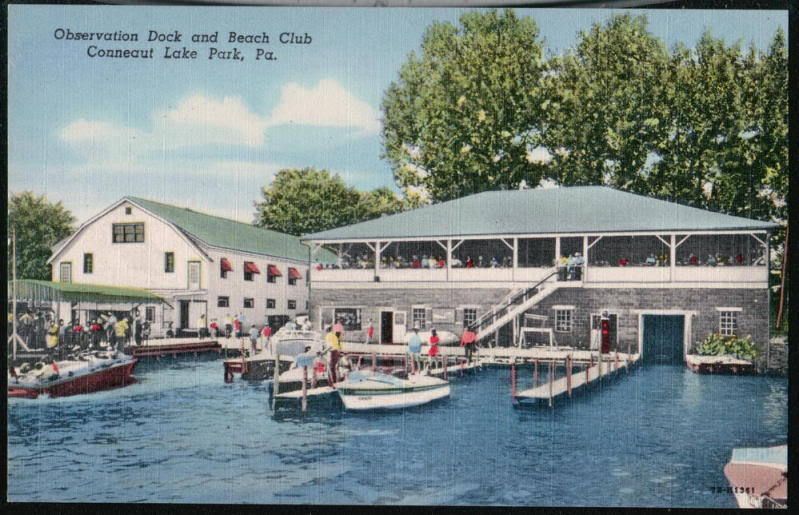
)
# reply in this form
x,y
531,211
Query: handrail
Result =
x,y
512,300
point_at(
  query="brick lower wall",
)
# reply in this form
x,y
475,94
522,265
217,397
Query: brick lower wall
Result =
x,y
625,302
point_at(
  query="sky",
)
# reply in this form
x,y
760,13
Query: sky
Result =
x,y
209,134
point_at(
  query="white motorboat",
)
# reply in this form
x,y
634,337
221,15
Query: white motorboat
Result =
x,y
374,390
758,476
286,343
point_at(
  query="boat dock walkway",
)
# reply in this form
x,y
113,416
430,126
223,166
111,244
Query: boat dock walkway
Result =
x,y
552,389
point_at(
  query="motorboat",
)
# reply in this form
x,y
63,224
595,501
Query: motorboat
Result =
x,y
367,390
285,344
85,372
758,476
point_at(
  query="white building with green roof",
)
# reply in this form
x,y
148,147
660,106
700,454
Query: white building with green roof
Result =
x,y
667,274
200,264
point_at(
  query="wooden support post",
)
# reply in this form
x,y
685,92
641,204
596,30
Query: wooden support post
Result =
x,y
587,377
313,376
569,374
304,388
443,362
616,358
535,373
513,379
628,346
276,382
551,379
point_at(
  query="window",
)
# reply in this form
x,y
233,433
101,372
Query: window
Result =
x,y
292,281
420,318
294,274
223,302
272,273
249,302
248,275
469,316
563,320
128,233
728,323
194,275
88,263
270,304
224,267
149,313
169,262
292,304
350,318
65,273
128,210
306,305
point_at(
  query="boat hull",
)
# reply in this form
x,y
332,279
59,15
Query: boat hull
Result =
x,y
377,400
115,376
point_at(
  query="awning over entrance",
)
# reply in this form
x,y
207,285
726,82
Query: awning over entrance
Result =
x,y
273,271
294,273
225,264
251,267
35,290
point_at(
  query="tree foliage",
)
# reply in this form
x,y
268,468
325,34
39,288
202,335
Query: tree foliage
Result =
x,y
38,225
310,200
480,109
462,115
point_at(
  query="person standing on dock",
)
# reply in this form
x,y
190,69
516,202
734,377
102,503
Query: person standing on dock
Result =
x,y
237,326
253,339
228,325
434,340
414,350
338,328
370,331
202,327
334,344
467,342
52,335
266,334
121,332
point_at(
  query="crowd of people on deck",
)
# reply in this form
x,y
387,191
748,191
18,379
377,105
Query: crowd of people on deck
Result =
x,y
662,259
570,267
41,330
415,261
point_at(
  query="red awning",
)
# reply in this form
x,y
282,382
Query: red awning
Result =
x,y
294,273
272,270
251,267
226,266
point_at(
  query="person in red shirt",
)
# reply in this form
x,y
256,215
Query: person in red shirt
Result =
x,y
433,341
266,334
214,326
467,342
370,331
469,262
441,263
624,262
416,263
96,331
237,327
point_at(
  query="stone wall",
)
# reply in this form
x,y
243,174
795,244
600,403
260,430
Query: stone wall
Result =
x,y
625,302
777,356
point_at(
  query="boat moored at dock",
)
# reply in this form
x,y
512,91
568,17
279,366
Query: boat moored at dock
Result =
x,y
374,390
87,372
758,476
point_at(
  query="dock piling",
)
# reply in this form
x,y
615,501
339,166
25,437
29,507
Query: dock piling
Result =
x,y
551,380
513,379
304,388
374,362
569,374
535,373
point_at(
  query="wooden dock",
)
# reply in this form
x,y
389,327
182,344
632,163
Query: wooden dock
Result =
x,y
719,365
593,373
174,347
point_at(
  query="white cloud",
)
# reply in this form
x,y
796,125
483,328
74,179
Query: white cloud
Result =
x,y
225,121
327,104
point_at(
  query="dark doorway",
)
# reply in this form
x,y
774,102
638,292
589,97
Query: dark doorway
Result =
x,y
184,314
386,327
663,339
277,321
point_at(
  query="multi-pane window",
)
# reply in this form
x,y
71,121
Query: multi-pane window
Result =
x,y
249,302
128,210
65,273
292,281
149,313
563,320
419,318
88,263
350,318
469,316
223,302
270,304
169,262
728,323
292,304
128,233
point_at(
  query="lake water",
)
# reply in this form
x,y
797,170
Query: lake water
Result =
x,y
658,437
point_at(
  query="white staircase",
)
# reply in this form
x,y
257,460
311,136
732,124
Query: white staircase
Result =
x,y
514,305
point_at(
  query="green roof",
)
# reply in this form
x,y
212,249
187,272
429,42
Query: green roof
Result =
x,y
75,292
230,234
563,210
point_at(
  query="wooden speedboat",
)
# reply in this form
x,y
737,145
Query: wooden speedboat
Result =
x,y
84,373
287,344
758,476
375,390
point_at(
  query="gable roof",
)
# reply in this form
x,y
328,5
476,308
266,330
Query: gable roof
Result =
x,y
575,209
224,233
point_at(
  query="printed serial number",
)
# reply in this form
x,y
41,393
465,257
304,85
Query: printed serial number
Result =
x,y
732,489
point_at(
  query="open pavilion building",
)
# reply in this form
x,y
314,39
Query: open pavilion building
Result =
x,y
666,274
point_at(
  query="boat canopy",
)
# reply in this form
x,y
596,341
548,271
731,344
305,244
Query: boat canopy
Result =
x,y
37,290
766,456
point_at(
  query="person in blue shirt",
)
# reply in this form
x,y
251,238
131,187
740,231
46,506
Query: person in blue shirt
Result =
x,y
414,350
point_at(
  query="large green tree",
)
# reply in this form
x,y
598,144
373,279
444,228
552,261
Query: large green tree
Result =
x,y
310,200
38,225
463,114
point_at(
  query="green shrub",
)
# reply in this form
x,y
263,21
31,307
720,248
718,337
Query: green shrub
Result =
x,y
718,345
